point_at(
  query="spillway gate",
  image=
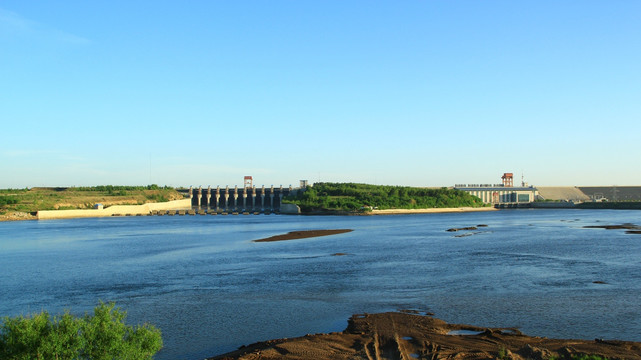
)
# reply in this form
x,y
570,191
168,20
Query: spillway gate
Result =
x,y
249,199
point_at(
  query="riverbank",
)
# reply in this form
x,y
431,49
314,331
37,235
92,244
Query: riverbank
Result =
x,y
17,215
185,204
403,335
430,211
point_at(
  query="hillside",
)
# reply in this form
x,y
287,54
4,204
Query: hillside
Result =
x,y
23,203
350,197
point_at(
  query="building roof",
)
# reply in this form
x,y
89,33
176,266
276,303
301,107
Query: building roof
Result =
x,y
496,188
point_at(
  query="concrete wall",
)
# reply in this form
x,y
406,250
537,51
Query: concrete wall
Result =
x,y
553,205
613,193
289,209
144,209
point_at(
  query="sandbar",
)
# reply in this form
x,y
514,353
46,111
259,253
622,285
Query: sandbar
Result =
x,y
403,335
302,234
430,211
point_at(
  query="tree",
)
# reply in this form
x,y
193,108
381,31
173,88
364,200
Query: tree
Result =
x,y
100,336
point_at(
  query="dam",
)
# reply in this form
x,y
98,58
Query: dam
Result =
x,y
244,199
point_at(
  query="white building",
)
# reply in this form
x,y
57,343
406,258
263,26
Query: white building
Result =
x,y
499,194
505,193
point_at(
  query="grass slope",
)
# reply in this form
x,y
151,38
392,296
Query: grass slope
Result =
x,y
35,199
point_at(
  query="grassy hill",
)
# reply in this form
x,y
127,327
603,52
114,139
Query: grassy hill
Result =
x,y
350,197
35,199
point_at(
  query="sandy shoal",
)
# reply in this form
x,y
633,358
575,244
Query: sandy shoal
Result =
x,y
430,211
302,234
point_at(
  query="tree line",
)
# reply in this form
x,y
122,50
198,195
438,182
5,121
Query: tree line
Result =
x,y
113,188
362,197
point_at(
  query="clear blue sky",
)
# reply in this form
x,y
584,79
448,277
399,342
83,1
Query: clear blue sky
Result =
x,y
419,93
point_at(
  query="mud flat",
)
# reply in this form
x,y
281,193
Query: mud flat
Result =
x,y
293,235
631,228
412,336
626,226
430,211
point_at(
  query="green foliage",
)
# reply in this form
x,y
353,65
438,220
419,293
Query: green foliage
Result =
x,y
13,191
100,336
8,200
582,357
502,354
156,197
117,188
361,197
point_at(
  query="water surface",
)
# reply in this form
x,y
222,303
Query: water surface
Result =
x,y
211,289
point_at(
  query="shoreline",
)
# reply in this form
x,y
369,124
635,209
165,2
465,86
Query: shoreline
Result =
x,y
185,204
431,210
412,334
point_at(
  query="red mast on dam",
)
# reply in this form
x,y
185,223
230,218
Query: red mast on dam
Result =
x,y
508,179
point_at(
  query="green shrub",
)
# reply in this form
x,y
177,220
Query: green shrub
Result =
x,y
583,357
157,197
502,353
100,336
8,200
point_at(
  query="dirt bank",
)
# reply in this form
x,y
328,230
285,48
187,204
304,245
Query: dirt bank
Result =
x,y
293,235
411,336
17,215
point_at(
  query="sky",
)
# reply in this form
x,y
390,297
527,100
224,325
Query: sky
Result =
x,y
412,93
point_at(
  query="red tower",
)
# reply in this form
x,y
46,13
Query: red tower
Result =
x,y
508,179
248,182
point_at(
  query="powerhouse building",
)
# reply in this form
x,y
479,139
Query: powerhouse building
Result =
x,y
501,194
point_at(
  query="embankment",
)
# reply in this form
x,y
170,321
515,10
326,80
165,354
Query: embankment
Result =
x,y
562,193
144,209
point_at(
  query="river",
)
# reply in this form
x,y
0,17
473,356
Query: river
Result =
x,y
210,289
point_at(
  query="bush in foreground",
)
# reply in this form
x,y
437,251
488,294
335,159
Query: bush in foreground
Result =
x,y
101,336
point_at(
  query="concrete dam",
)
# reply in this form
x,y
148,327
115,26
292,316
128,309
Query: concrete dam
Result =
x,y
246,199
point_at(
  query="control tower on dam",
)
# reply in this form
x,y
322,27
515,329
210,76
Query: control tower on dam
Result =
x,y
245,199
